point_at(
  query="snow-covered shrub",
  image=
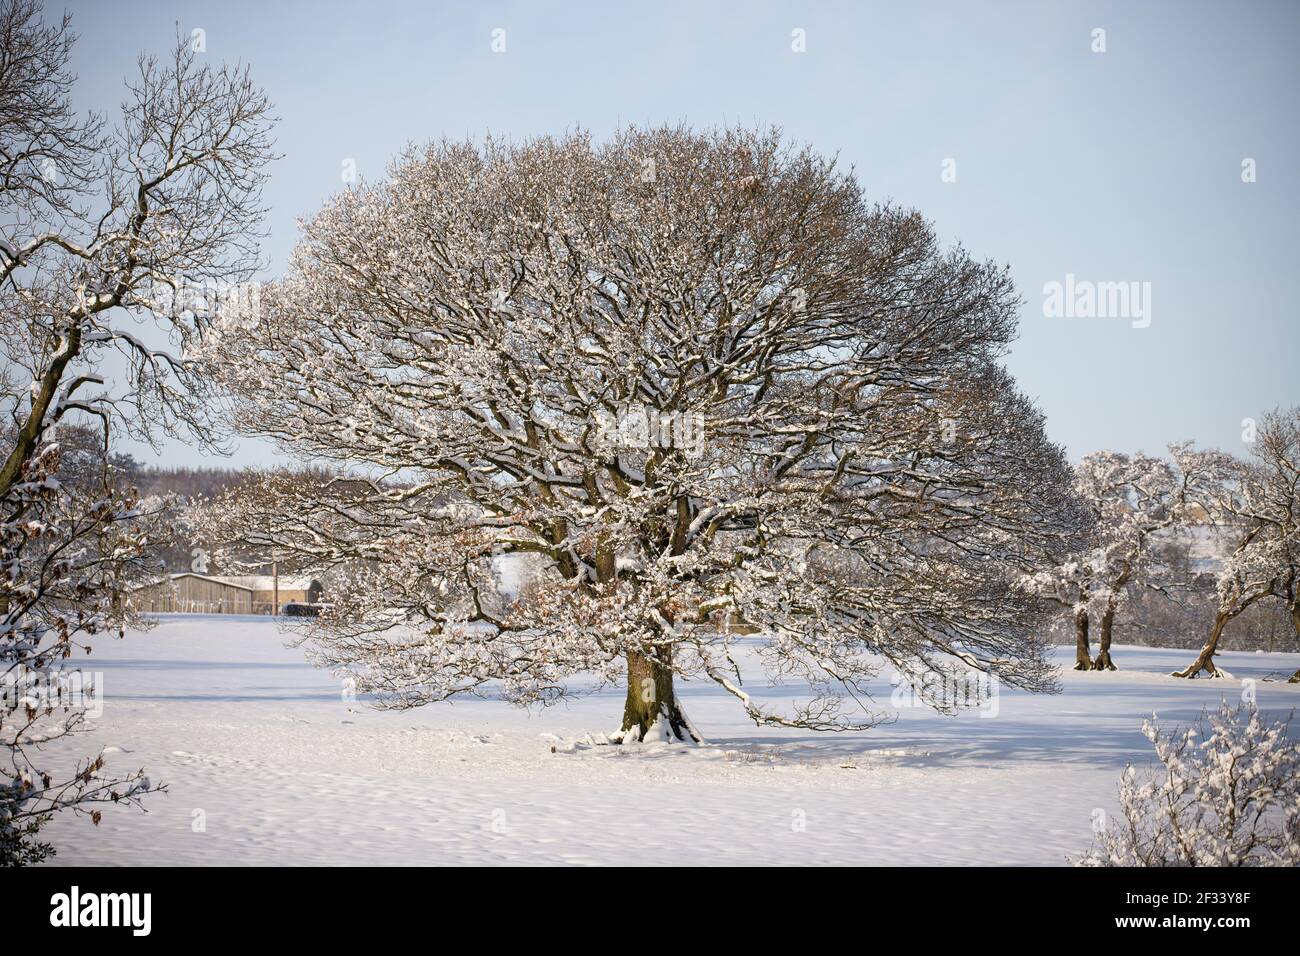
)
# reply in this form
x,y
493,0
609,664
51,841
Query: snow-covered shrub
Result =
x,y
1226,793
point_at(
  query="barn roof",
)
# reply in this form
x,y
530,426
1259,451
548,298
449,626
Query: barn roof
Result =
x,y
228,582
264,582
244,582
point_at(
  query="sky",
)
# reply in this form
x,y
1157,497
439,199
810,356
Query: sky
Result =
x,y
1020,130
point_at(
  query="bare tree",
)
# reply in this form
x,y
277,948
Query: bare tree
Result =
x,y
104,231
696,376
114,239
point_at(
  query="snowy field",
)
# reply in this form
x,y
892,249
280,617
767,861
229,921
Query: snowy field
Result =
x,y
265,753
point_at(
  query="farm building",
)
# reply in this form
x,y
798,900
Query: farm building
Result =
x,y
188,592
266,596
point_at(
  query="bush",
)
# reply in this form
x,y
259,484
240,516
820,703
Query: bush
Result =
x,y
1226,793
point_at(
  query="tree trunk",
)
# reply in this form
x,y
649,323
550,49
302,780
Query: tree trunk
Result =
x,y
43,392
651,702
1295,622
1205,660
1082,655
1103,661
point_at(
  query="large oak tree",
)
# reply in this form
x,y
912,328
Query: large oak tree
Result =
x,y
699,379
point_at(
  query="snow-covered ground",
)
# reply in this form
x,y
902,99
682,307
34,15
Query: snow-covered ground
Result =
x,y
278,767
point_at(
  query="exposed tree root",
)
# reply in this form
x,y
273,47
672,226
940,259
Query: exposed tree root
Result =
x,y
1103,662
1202,665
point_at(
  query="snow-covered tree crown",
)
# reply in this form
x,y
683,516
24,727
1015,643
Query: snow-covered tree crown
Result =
x,y
696,376
1127,500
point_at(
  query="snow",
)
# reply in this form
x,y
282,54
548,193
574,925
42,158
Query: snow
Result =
x,y
268,761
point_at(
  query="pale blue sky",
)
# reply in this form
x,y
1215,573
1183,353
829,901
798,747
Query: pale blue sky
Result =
x,y
1118,166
